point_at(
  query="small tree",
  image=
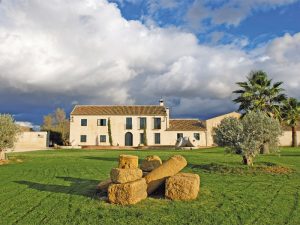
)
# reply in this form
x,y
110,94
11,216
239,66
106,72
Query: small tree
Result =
x,y
145,136
109,133
248,135
8,134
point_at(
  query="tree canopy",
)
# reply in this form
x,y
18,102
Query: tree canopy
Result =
x,y
260,93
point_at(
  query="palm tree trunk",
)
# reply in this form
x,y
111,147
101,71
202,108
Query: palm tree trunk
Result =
x,y
294,137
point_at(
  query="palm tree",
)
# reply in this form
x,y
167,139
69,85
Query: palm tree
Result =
x,y
291,116
258,93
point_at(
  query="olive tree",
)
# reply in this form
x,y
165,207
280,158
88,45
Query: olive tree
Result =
x,y
247,135
8,133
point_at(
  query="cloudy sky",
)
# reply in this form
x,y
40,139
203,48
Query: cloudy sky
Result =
x,y
64,52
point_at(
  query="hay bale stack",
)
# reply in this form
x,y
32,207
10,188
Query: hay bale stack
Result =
x,y
182,186
129,184
127,187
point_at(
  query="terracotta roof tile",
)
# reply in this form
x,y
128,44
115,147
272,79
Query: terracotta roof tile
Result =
x,y
186,125
149,110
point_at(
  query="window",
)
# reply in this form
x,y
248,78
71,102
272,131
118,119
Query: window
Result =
x,y
141,138
157,123
143,122
102,138
179,135
157,138
82,138
101,122
128,123
197,136
83,122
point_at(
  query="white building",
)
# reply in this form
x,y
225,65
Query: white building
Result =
x,y
89,126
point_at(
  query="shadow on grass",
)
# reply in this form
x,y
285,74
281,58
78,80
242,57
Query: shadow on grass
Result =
x,y
78,186
102,158
211,168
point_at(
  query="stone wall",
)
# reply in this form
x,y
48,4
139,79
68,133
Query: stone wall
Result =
x,y
31,141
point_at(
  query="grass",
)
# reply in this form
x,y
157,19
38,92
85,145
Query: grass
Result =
x,y
58,187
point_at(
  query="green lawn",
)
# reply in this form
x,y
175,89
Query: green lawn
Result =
x,y
58,187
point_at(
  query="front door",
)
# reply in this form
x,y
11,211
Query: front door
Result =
x,y
128,139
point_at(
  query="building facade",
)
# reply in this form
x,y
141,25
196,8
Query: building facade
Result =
x,y
89,126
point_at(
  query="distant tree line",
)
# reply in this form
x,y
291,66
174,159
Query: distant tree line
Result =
x,y
58,127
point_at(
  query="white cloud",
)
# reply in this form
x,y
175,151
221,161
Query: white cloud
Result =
x,y
28,124
58,52
230,13
25,124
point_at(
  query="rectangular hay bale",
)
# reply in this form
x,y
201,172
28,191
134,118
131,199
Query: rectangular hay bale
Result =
x,y
127,193
128,161
182,186
121,176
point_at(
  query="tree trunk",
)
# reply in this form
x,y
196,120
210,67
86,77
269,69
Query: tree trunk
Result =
x,y
2,155
265,148
294,137
248,160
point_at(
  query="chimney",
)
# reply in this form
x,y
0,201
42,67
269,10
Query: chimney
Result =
x,y
161,102
168,117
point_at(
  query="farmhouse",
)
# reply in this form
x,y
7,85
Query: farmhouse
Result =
x,y
128,125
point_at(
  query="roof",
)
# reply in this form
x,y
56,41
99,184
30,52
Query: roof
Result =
x,y
186,125
226,115
146,110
